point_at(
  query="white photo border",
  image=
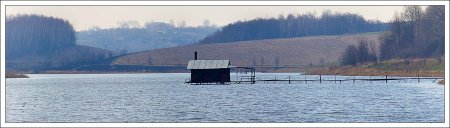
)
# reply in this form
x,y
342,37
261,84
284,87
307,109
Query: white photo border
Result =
x,y
221,3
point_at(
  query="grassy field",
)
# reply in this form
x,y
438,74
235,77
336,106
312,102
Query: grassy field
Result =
x,y
410,65
421,67
288,51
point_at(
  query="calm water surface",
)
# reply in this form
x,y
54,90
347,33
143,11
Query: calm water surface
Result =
x,y
165,98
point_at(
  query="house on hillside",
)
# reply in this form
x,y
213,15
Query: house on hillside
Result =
x,y
209,71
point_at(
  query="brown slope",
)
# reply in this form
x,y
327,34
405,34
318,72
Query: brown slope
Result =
x,y
289,51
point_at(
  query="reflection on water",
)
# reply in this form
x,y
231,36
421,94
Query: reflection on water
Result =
x,y
165,98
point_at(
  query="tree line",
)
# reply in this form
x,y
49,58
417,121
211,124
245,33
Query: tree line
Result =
x,y
36,42
37,35
415,33
365,51
309,24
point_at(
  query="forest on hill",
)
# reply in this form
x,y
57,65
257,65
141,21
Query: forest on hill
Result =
x,y
35,42
415,33
327,23
35,35
129,38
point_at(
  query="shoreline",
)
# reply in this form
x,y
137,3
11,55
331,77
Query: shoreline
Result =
x,y
441,82
315,71
101,72
15,75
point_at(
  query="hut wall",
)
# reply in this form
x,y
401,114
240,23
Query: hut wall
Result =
x,y
210,75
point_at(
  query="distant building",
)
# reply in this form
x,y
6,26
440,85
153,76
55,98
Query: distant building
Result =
x,y
209,71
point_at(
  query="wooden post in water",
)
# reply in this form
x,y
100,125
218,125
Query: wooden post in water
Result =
x,y
353,79
418,78
386,79
306,80
334,78
289,79
320,78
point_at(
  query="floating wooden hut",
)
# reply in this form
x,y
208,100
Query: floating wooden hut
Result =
x,y
209,71
217,72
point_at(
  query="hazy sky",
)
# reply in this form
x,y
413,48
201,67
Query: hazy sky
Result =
x,y
84,17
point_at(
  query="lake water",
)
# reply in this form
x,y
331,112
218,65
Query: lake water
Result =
x,y
165,98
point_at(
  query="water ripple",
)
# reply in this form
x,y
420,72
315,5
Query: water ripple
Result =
x,y
164,98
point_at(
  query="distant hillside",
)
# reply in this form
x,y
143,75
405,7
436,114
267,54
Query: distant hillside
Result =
x,y
289,51
71,57
154,35
83,54
295,26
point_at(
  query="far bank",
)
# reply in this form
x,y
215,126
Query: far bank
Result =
x,y
406,68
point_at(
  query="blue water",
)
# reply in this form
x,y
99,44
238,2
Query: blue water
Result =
x,y
165,98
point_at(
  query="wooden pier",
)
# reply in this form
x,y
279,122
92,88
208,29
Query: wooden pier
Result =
x,y
298,79
244,75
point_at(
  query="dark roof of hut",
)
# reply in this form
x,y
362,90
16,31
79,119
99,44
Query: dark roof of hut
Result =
x,y
208,64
